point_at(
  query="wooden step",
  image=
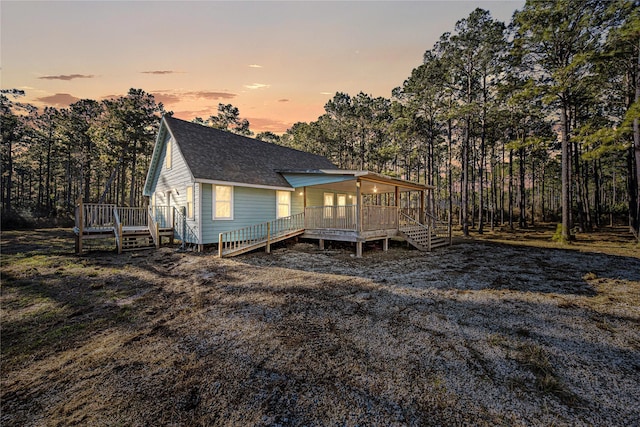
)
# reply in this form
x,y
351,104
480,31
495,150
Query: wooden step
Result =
x,y
136,241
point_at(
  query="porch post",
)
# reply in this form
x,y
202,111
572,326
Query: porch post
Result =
x,y
422,207
358,206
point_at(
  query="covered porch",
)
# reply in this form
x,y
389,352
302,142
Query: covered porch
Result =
x,y
358,206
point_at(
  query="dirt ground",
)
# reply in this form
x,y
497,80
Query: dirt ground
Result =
x,y
503,329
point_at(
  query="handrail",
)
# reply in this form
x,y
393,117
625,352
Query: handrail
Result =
x,y
264,232
407,219
188,234
117,229
154,228
439,227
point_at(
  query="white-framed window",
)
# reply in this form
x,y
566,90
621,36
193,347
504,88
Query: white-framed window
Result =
x,y
283,204
190,201
342,203
222,202
328,205
167,157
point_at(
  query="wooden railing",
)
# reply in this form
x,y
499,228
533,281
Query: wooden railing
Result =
x,y
154,227
162,215
94,217
117,229
187,234
439,228
258,234
345,217
379,218
330,217
133,217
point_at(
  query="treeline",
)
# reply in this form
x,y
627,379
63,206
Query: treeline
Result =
x,y
513,124
534,121
97,150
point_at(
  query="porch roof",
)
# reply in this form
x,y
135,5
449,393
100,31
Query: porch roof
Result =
x,y
308,177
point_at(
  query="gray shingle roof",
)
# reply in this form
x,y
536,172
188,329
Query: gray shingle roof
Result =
x,y
217,155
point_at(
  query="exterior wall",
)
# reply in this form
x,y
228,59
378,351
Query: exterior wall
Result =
x,y
251,206
315,196
170,185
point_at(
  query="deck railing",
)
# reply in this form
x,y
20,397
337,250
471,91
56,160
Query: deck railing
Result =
x,y
345,217
258,234
94,216
379,218
330,217
133,217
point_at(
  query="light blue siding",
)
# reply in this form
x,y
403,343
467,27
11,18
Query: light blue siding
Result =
x,y
305,180
250,206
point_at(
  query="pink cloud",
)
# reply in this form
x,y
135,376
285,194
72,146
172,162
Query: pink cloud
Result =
x,y
68,77
59,99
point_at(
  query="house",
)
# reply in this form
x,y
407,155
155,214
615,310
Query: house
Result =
x,y
208,186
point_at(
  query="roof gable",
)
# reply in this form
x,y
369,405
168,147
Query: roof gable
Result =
x,y
216,155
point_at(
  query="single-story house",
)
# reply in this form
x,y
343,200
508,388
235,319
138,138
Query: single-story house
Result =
x,y
216,187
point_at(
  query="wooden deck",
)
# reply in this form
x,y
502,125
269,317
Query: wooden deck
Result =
x,y
131,228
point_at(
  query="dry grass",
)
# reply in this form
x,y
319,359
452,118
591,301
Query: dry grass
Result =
x,y
480,333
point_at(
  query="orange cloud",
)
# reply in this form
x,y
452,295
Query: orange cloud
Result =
x,y
59,99
283,100
68,77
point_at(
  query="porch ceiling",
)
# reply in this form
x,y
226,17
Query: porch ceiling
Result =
x,y
371,182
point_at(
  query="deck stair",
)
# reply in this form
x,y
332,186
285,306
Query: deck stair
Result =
x,y
246,239
424,237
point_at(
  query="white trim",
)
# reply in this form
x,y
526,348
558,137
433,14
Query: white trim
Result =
x,y
242,184
213,203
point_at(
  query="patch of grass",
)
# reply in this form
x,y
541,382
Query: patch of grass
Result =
x,y
535,358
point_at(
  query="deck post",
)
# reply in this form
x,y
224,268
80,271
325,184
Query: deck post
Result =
x,y
120,238
267,248
158,238
385,244
220,245
80,224
321,244
358,249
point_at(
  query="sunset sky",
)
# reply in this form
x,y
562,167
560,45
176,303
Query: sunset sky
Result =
x,y
278,62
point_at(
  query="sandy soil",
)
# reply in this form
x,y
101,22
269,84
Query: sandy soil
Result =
x,y
480,333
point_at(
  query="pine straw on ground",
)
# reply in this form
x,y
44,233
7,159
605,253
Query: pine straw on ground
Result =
x,y
480,333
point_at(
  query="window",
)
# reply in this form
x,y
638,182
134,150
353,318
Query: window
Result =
x,y
328,205
283,208
190,201
167,157
342,203
222,202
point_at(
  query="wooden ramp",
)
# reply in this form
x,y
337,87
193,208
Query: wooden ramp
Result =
x,y
236,242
